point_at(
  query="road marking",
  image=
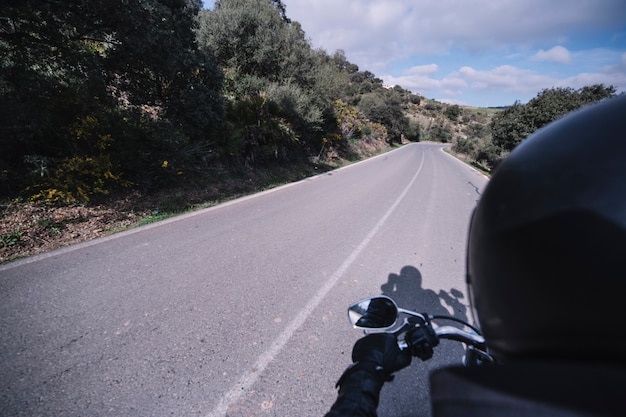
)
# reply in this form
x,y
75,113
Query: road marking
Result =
x,y
247,380
71,248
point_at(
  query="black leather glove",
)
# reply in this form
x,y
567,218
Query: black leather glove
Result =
x,y
376,357
422,341
381,350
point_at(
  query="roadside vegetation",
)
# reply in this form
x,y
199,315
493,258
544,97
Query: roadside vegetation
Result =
x,y
114,114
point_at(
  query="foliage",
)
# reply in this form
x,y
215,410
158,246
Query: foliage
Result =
x,y
331,79
413,131
282,93
102,95
415,98
77,179
385,107
268,64
258,133
356,134
440,132
510,127
464,146
11,238
295,104
492,142
452,112
255,38
518,121
473,136
93,81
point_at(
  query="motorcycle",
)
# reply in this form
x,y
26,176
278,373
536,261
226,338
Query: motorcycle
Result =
x,y
530,387
417,331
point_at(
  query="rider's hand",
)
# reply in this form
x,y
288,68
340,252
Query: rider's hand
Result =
x,y
376,357
382,350
421,342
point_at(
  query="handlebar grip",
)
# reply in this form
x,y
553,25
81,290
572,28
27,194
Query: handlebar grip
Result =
x,y
421,341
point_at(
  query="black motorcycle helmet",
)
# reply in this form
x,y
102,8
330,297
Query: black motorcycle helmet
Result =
x,y
546,256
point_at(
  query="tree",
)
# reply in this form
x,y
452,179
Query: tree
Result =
x,y
341,62
510,127
157,63
100,89
452,112
276,87
518,121
255,39
385,107
49,76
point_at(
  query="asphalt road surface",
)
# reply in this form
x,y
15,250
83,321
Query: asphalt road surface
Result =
x,y
240,309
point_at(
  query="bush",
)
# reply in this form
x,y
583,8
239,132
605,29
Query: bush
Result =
x,y
414,131
441,133
452,112
463,146
415,99
77,180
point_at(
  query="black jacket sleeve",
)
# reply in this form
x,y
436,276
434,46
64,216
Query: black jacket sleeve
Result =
x,y
359,391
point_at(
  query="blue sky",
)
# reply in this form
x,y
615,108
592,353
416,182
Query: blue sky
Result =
x,y
473,52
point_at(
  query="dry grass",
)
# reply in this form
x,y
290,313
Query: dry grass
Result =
x,y
27,229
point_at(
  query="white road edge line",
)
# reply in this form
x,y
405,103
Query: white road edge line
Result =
x,y
247,380
66,249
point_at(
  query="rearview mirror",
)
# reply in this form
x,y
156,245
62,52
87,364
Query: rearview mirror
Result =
x,y
373,313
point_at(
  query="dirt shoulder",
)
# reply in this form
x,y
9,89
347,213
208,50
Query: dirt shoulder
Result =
x,y
28,229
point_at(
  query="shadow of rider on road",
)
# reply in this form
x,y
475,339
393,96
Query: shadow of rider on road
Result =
x,y
406,289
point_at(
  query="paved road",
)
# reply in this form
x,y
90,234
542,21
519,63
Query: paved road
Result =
x,y
239,310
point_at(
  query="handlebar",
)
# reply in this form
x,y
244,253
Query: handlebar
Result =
x,y
447,332
452,333
417,331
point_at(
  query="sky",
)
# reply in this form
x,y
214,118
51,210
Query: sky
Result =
x,y
483,53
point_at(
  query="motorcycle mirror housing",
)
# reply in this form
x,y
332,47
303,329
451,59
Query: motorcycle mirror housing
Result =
x,y
380,313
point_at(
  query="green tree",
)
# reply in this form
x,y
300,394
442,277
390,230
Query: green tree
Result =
x,y
49,76
385,107
518,121
452,112
274,80
510,127
255,39
331,80
108,86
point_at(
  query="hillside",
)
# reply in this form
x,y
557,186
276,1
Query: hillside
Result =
x,y
466,128
28,228
105,137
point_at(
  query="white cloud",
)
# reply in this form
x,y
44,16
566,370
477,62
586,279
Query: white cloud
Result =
x,y
502,78
397,29
477,51
423,70
506,77
453,101
453,85
617,80
558,54
418,78
383,14
613,74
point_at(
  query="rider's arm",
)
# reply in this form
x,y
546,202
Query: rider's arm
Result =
x,y
375,357
359,390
